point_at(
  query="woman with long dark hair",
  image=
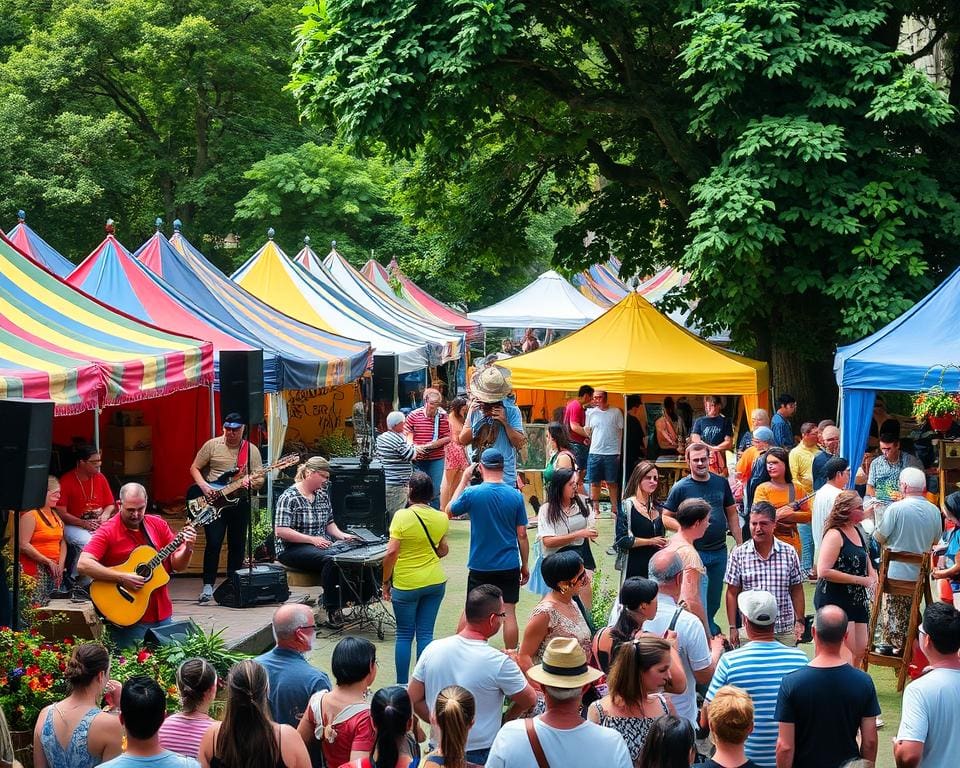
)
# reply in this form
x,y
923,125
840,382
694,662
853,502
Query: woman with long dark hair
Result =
x,y
638,603
635,700
454,715
91,735
183,731
248,737
559,454
392,715
669,744
786,496
564,523
641,532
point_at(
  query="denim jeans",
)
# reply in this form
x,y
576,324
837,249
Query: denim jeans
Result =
x,y
416,612
711,587
806,540
434,468
128,637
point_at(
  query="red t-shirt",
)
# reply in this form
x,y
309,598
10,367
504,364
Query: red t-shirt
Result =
x,y
112,544
422,429
76,494
574,414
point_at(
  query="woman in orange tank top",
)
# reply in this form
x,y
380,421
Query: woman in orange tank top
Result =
x,y
43,550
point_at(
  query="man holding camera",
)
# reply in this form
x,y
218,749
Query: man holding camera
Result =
x,y
494,420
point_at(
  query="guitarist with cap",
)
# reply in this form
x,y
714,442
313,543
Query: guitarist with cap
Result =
x,y
219,460
112,544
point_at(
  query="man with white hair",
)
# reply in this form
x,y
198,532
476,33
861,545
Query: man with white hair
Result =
x,y
397,456
292,678
427,428
911,524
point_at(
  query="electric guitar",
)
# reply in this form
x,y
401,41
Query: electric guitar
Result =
x,y
224,485
123,606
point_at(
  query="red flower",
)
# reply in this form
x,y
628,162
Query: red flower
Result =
x,y
143,656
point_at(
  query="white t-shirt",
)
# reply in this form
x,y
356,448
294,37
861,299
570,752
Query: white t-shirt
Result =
x,y
822,504
587,744
693,649
573,523
931,711
487,673
912,524
607,436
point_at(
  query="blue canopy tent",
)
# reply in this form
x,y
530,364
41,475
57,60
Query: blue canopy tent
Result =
x,y
907,354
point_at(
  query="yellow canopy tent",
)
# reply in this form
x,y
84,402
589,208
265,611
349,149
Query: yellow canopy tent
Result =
x,y
634,348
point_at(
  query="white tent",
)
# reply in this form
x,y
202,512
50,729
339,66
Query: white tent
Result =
x,y
548,302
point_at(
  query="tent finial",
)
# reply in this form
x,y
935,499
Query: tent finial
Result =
x,y
158,223
177,224
21,215
270,233
333,244
306,240
109,228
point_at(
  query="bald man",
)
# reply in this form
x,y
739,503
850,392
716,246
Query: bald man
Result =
x,y
292,679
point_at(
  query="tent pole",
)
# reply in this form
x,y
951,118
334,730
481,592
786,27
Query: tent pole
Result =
x,y
96,428
623,456
213,413
15,611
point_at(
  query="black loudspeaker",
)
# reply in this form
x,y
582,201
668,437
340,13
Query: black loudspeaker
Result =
x,y
260,585
358,495
25,445
170,633
241,384
385,377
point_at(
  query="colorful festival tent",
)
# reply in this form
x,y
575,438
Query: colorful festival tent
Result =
x,y
58,344
633,348
308,357
38,249
308,259
548,302
915,351
419,300
391,309
313,298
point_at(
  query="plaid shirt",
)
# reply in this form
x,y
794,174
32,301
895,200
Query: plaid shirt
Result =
x,y
780,571
294,510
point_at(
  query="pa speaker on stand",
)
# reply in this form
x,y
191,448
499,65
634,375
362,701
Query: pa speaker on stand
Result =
x,y
25,446
241,384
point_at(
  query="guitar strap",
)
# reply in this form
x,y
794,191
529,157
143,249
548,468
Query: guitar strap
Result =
x,y
146,535
242,456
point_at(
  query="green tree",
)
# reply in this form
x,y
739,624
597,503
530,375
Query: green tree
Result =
x,y
778,151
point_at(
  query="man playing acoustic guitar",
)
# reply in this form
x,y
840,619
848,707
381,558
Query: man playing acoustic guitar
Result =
x,y
216,457
112,544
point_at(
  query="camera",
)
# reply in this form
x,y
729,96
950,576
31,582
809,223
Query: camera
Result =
x,y
487,408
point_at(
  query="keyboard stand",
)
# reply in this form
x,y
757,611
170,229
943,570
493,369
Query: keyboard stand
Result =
x,y
370,614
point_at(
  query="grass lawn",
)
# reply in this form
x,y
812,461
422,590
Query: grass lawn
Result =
x,y
455,566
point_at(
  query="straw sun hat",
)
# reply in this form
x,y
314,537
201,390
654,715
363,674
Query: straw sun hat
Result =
x,y
564,665
491,384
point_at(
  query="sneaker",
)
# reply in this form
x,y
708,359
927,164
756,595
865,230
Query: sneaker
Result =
x,y
880,722
611,550
206,594
79,594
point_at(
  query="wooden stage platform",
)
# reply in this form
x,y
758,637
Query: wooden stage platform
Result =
x,y
244,629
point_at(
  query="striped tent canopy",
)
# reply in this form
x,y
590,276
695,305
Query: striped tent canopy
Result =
x,y
315,298
38,249
419,300
656,287
58,344
308,259
307,357
391,308
112,275
609,283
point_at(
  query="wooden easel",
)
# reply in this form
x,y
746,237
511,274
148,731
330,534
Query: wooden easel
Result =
x,y
916,591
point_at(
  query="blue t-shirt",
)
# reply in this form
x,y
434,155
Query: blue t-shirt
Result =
x,y
166,759
782,432
496,510
716,492
712,429
292,682
820,469
502,442
826,705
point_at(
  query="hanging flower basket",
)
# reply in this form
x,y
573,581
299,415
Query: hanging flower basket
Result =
x,y
941,423
937,406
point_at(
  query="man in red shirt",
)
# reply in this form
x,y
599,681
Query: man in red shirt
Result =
x,y
86,501
112,544
574,419
428,429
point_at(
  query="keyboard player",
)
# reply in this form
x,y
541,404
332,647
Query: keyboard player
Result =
x,y
306,532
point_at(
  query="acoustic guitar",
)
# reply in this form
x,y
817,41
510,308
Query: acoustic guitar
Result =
x,y
225,485
123,606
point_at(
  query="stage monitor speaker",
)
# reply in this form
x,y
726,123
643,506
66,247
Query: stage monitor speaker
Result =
x,y
358,496
385,378
25,446
168,634
260,585
241,384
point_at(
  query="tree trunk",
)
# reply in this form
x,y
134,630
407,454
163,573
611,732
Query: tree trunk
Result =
x,y
810,381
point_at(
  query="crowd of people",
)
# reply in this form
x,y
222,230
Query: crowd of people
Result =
x,y
645,689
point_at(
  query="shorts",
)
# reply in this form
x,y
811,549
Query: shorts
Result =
x,y
508,581
579,451
954,586
603,468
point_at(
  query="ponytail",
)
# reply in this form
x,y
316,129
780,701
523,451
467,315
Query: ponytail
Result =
x,y
390,711
454,713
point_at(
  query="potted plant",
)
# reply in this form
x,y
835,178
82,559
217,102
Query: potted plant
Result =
x,y
937,406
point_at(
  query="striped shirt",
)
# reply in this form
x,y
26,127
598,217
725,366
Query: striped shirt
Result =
x,y
426,430
776,575
758,667
182,733
396,455
294,510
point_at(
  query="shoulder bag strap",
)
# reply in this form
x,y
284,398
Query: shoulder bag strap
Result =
x,y
429,538
791,492
535,743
